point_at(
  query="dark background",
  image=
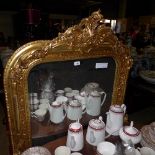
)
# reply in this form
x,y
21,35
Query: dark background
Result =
x,y
111,8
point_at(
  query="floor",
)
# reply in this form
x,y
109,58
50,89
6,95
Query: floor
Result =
x,y
144,116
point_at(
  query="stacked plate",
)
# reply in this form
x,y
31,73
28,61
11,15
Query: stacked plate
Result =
x,y
148,135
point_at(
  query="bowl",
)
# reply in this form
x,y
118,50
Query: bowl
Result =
x,y
36,150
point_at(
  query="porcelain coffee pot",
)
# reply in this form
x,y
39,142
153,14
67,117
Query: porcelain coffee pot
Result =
x,y
74,110
94,98
75,139
95,131
57,112
95,102
115,118
128,133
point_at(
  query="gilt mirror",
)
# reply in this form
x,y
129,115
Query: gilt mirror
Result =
x,y
87,53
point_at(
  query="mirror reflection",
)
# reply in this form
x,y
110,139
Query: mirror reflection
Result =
x,y
65,91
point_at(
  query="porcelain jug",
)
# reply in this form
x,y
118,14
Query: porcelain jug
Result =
x,y
75,138
94,98
115,118
74,110
57,112
95,131
95,102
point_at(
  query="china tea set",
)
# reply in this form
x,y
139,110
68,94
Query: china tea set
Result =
x,y
69,103
73,104
96,134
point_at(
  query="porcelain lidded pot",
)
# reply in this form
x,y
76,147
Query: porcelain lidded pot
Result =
x,y
94,98
57,112
75,139
128,133
95,131
115,117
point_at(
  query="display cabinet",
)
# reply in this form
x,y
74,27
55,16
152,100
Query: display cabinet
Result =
x,y
86,57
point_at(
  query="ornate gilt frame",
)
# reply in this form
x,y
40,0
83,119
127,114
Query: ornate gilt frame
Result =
x,y
89,39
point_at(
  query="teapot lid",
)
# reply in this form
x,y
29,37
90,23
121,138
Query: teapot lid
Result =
x,y
75,103
130,130
75,127
95,93
56,104
91,86
116,108
97,124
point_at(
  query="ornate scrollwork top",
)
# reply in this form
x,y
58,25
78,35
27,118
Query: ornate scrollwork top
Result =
x,y
90,31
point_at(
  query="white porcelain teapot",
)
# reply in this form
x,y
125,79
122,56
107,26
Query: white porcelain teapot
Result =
x,y
115,118
128,133
75,139
95,131
94,100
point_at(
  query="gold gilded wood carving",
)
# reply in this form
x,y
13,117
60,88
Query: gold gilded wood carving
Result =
x,y
89,39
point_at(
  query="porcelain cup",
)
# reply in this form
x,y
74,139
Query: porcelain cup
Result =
x,y
70,96
106,148
62,150
39,114
67,90
59,92
75,92
62,99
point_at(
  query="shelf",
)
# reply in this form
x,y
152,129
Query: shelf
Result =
x,y
48,130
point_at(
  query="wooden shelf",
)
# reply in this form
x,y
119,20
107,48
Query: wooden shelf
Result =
x,y
47,128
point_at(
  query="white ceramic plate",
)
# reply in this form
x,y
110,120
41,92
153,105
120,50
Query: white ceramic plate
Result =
x,y
38,150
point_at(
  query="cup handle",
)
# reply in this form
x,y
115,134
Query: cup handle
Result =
x,y
124,108
83,109
105,95
65,113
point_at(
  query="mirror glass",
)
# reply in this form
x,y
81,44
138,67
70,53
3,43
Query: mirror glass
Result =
x,y
49,81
